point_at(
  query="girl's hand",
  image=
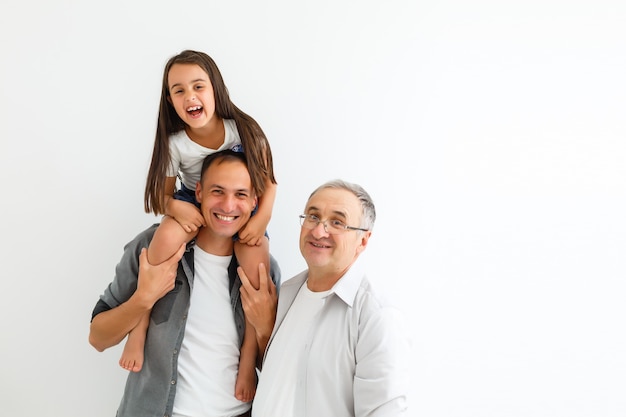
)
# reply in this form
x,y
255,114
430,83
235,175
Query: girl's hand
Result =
x,y
252,233
187,215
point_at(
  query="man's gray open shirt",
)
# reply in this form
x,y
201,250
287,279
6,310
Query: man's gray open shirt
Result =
x,y
151,392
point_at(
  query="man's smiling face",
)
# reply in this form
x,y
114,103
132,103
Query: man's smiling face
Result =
x,y
226,197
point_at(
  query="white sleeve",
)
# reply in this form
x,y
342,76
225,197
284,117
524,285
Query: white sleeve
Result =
x,y
175,158
381,379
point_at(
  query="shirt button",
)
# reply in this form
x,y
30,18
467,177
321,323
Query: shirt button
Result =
x,y
173,382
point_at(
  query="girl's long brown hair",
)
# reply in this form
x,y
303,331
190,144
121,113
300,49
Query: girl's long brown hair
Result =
x,y
255,145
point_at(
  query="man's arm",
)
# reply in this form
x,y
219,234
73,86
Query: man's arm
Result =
x,y
382,374
108,328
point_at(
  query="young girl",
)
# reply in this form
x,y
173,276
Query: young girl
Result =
x,y
197,118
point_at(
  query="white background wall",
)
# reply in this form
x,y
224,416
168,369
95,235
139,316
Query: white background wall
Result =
x,y
491,135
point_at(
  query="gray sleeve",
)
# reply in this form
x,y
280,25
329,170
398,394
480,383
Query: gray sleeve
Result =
x,y
124,283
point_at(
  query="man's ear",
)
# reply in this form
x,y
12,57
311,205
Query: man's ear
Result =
x,y
365,237
198,191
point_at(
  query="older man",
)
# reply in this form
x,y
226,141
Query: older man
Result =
x,y
336,349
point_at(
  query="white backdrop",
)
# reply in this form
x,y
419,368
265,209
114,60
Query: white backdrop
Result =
x,y
490,134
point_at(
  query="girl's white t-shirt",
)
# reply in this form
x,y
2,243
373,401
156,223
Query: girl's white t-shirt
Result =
x,y
186,156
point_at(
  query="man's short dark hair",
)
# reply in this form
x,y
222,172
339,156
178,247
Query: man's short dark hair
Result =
x,y
221,156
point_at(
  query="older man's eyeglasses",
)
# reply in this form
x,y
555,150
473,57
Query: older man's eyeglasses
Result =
x,y
331,226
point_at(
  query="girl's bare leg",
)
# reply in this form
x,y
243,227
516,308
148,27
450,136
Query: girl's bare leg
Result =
x,y
166,241
249,258
245,386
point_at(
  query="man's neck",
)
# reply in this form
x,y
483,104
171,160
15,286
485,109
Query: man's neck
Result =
x,y
323,279
214,244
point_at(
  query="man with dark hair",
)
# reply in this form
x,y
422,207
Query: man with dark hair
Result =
x,y
197,321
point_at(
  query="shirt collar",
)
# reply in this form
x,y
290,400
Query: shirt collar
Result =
x,y
348,285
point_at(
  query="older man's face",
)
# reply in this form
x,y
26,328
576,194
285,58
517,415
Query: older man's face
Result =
x,y
332,253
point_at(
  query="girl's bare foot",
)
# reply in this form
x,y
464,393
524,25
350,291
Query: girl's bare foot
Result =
x,y
245,387
132,358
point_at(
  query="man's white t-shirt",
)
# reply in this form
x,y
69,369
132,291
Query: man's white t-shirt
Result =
x,y
209,356
284,359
